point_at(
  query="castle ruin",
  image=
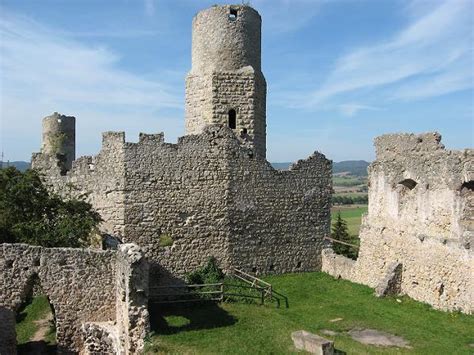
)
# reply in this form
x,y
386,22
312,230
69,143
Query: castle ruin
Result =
x,y
418,236
213,193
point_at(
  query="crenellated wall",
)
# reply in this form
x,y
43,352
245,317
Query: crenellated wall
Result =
x,y
211,196
421,214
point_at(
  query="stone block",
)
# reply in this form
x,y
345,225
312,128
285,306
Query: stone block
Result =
x,y
312,343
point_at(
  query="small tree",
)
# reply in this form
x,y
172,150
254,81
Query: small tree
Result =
x,y
340,232
30,214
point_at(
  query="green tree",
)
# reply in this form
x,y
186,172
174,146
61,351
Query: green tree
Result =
x,y
340,232
30,214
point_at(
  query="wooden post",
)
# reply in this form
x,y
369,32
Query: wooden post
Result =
x,y
222,292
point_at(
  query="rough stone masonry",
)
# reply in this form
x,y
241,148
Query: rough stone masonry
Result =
x,y
213,193
99,298
419,231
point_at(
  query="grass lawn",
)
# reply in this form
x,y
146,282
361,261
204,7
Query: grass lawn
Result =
x,y
315,299
27,321
352,214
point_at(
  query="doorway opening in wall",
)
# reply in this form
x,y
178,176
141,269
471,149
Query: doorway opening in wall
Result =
x,y
35,322
232,119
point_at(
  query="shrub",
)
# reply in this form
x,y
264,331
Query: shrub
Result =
x,y
30,214
210,273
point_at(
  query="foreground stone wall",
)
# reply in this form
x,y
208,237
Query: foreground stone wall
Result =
x,y
209,195
81,286
420,215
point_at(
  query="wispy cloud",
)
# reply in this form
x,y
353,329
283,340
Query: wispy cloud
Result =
x,y
351,109
116,33
150,7
42,71
432,56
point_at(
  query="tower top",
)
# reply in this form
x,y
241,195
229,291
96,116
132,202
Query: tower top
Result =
x,y
226,37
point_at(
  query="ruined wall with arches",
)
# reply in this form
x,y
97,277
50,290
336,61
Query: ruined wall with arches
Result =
x,y
421,215
88,290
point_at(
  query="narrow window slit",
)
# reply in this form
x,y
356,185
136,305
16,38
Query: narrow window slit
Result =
x,y
232,119
233,14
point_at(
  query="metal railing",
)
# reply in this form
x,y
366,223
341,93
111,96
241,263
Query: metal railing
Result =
x,y
341,242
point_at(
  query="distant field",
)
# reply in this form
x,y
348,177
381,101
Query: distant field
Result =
x,y
348,180
352,215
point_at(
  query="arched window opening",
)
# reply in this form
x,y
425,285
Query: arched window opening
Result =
x,y
232,119
408,183
233,14
467,186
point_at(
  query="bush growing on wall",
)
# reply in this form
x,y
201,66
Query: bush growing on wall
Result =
x,y
29,214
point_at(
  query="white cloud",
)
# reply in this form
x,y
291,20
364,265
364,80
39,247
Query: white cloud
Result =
x,y
42,71
351,109
432,51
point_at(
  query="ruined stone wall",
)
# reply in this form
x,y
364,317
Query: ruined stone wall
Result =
x,y
279,218
99,180
421,212
99,297
80,286
213,197
178,191
132,319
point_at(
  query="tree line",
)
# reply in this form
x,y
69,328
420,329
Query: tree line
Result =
x,y
350,200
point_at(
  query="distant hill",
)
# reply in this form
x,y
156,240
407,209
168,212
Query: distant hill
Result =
x,y
352,167
20,165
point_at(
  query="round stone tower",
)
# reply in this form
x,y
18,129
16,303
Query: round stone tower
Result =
x,y
59,138
226,85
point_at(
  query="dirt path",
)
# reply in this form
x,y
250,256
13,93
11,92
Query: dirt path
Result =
x,y
43,328
37,345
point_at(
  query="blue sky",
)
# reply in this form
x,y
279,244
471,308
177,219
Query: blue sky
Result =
x,y
339,72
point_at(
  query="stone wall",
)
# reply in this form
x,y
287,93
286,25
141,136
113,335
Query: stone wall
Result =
x,y
421,215
212,196
81,286
278,218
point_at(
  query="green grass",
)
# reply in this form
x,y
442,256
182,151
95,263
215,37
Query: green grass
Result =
x,y
348,181
315,299
352,215
26,326
351,194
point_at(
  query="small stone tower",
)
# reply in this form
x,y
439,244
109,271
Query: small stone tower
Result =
x,y
226,85
59,138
